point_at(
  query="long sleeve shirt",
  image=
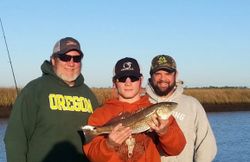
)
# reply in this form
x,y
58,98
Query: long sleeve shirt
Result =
x,y
145,148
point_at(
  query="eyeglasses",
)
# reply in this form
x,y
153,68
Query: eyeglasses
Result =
x,y
132,78
67,58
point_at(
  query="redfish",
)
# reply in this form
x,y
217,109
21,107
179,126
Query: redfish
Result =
x,y
137,121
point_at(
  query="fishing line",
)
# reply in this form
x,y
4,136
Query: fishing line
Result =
x,y
9,56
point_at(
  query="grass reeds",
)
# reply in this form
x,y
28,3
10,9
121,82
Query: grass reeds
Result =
x,y
213,99
220,95
7,96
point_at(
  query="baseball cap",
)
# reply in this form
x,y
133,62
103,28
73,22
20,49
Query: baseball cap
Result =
x,y
162,62
65,45
126,67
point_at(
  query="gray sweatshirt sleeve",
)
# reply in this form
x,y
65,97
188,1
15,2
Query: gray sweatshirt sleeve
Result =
x,y
205,143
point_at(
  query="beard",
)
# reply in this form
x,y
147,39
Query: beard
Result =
x,y
162,91
69,78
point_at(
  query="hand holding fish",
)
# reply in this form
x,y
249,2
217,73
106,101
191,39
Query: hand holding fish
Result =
x,y
158,124
118,135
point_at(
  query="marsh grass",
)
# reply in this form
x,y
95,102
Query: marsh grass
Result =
x,y
220,95
207,96
7,96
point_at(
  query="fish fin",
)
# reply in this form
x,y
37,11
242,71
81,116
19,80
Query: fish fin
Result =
x,y
121,116
118,118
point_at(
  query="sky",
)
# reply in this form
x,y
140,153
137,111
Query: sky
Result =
x,y
209,39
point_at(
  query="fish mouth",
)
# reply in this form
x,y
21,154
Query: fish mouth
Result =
x,y
164,113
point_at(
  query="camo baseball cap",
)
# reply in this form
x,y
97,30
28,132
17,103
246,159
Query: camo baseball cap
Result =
x,y
162,62
126,67
65,45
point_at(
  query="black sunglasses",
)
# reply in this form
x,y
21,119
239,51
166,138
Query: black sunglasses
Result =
x,y
67,58
132,78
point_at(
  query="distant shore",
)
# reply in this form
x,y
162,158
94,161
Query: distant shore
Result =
x,y
226,107
5,111
213,99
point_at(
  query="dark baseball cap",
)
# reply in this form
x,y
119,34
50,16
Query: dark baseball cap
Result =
x,y
65,45
126,67
162,62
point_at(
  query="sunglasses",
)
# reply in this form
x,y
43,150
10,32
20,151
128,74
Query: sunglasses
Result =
x,y
67,58
132,78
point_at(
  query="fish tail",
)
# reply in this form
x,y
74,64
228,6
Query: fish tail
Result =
x,y
89,130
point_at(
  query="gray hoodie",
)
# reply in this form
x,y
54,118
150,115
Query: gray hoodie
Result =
x,y
192,119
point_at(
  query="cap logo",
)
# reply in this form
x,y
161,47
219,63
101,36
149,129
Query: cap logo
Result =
x,y
162,60
127,66
68,43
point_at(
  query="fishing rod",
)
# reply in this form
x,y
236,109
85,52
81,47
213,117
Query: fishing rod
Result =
x,y
9,56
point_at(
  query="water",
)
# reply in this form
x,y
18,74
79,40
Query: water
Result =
x,y
231,129
232,132
3,124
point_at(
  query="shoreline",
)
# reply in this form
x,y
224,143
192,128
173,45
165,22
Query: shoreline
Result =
x,y
226,107
5,111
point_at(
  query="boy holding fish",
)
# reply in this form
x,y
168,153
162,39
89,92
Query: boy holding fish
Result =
x,y
121,140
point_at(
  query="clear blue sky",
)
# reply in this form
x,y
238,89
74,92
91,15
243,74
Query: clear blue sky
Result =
x,y
209,39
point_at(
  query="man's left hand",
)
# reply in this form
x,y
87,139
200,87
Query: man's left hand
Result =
x,y
159,125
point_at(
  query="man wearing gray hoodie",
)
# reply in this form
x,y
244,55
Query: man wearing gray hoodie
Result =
x,y
190,115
